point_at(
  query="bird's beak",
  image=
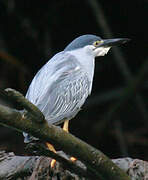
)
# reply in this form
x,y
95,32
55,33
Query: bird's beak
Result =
x,y
113,42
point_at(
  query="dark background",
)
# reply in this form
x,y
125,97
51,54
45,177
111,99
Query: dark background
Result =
x,y
31,32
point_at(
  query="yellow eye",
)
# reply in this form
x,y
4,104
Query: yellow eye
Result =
x,y
96,43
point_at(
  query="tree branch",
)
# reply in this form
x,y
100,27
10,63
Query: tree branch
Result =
x,y
18,98
96,162
11,166
37,167
77,168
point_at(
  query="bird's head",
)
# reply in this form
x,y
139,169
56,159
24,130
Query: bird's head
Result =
x,y
94,44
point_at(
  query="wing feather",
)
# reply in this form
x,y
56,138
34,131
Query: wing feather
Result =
x,y
60,88
70,97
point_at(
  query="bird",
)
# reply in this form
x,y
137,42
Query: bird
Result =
x,y
62,85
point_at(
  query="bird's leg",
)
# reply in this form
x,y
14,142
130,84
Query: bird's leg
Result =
x,y
65,128
51,148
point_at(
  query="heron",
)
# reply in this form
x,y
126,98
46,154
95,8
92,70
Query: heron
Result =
x,y
62,85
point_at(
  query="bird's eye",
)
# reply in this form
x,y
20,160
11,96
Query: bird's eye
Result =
x,y
96,43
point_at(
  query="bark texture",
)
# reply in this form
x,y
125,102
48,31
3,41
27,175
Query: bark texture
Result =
x,y
32,121
38,168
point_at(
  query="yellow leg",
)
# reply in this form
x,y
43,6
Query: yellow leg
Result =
x,y
51,148
65,128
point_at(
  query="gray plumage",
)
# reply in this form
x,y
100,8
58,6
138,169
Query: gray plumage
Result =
x,y
60,88
82,41
62,85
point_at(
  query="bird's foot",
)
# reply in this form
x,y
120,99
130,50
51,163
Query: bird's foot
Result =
x,y
53,163
73,159
51,148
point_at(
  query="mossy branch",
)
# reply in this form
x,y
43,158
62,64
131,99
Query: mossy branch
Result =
x,y
95,161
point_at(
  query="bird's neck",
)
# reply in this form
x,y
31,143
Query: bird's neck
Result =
x,y
87,60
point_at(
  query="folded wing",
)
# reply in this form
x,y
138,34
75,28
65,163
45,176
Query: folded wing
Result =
x,y
59,89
